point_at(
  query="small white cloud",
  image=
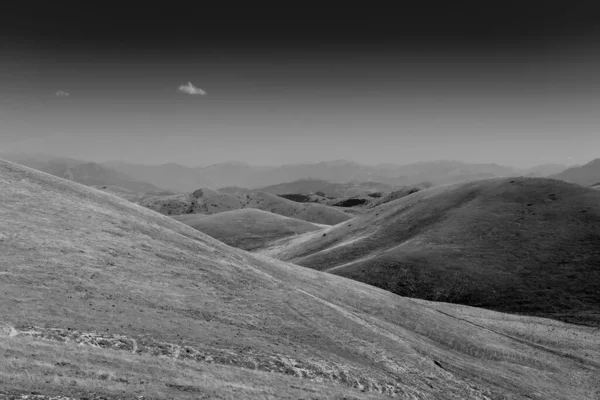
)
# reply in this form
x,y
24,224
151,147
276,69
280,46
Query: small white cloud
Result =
x,y
191,89
62,93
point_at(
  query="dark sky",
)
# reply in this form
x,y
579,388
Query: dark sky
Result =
x,y
508,83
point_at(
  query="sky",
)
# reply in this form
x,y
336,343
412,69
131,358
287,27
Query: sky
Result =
x,y
512,84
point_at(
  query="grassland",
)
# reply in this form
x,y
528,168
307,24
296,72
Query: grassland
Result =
x,y
247,229
104,297
204,201
522,245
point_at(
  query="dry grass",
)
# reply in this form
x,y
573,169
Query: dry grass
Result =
x,y
34,365
80,259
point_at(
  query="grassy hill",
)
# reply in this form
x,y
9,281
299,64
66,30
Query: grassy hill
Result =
x,y
310,186
102,297
585,175
527,245
205,201
394,195
248,228
367,201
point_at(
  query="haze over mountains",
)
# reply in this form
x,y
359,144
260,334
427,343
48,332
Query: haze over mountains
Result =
x,y
86,173
180,178
586,175
180,314
341,171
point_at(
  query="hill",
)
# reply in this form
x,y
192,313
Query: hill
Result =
x,y
370,200
248,228
312,186
394,195
101,297
585,175
205,201
525,245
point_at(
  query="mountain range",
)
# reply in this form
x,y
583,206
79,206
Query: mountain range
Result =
x,y
179,178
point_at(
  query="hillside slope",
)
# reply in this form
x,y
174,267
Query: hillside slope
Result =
x,y
248,228
168,312
587,174
528,245
394,195
205,201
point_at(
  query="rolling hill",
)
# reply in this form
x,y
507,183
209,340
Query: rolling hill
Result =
x,y
206,201
101,297
525,245
585,175
247,228
310,186
371,200
394,195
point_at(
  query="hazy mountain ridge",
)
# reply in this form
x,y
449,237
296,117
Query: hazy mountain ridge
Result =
x,y
336,172
86,173
247,228
586,175
181,178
